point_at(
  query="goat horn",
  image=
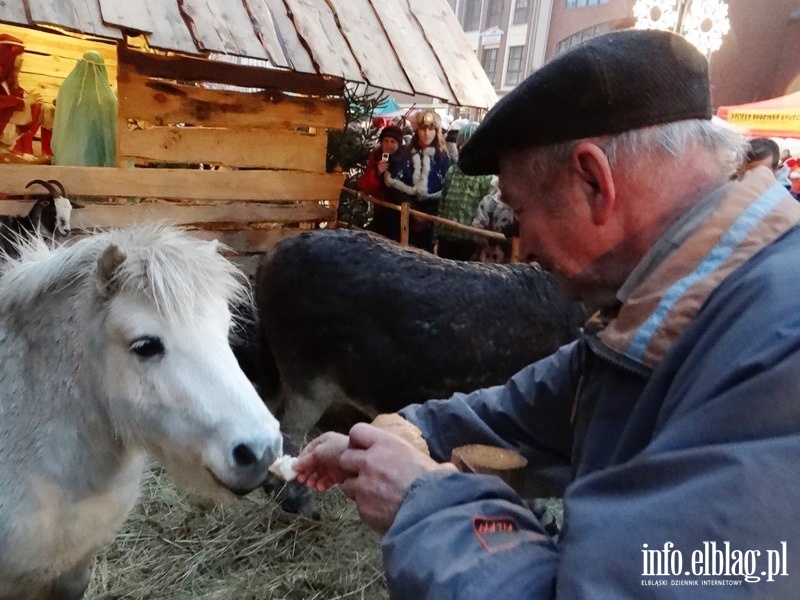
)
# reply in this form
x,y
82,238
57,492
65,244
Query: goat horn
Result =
x,y
45,184
58,184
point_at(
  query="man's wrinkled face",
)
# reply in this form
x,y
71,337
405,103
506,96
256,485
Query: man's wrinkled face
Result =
x,y
588,219
545,224
556,229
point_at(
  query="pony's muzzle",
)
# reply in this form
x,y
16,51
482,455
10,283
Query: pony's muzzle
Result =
x,y
248,465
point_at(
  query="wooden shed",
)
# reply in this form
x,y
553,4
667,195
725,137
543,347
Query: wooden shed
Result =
x,y
224,105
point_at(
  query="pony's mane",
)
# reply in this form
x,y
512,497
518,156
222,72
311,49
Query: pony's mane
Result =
x,y
178,272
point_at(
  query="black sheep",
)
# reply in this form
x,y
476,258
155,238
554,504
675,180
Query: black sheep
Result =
x,y
347,318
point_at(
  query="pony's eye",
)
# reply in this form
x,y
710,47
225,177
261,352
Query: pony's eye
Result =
x,y
147,346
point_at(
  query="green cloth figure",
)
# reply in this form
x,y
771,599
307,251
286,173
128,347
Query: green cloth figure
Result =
x,y
84,131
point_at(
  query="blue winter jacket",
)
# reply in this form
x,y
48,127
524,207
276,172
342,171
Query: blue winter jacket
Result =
x,y
678,419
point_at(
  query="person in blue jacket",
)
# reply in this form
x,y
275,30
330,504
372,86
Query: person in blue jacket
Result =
x,y
676,415
417,173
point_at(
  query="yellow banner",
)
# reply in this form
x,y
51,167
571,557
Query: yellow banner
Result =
x,y
787,120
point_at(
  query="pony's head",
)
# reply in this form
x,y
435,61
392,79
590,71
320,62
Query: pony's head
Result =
x,y
151,307
170,375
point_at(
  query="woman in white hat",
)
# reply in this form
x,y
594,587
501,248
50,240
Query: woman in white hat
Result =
x,y
416,174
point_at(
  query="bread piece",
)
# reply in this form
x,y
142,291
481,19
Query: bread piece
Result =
x,y
283,467
394,423
489,460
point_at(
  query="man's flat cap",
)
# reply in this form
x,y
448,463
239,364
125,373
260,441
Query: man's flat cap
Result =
x,y
609,84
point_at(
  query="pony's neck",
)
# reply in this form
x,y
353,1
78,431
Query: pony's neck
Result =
x,y
50,369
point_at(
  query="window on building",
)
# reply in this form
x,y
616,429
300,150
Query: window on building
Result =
x,y
494,12
489,63
514,68
521,12
584,3
472,15
584,34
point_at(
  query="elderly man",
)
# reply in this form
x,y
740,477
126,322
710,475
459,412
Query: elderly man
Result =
x,y
676,413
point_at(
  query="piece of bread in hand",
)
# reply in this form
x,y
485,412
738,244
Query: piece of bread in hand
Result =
x,y
394,423
283,467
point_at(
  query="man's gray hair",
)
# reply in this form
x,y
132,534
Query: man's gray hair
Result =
x,y
649,145
678,138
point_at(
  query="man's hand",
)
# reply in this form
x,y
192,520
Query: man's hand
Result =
x,y
383,466
318,465
374,467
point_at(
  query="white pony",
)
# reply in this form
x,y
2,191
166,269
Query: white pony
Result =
x,y
111,349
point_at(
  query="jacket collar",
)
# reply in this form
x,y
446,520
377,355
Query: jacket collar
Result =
x,y
751,214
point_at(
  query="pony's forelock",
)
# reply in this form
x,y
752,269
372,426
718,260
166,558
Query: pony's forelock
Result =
x,y
178,272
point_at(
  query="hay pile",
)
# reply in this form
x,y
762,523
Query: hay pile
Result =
x,y
173,548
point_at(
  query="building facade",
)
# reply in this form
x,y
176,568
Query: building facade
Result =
x,y
509,37
512,38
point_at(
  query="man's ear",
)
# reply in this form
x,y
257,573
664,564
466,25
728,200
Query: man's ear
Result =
x,y
594,170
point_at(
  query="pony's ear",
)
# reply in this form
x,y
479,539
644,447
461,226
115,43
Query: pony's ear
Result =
x,y
107,266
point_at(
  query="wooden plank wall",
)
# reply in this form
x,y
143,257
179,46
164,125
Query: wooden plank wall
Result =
x,y
266,151
238,165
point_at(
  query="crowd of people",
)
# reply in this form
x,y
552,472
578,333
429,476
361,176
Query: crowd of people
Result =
x,y
420,168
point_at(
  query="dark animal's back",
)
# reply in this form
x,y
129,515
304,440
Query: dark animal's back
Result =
x,y
398,326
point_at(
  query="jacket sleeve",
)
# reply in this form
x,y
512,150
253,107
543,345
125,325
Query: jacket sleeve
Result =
x,y
530,413
370,183
461,536
471,536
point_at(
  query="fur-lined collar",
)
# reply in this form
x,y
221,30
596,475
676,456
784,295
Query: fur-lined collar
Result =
x,y
421,160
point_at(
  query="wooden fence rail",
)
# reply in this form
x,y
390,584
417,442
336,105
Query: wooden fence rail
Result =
x,y
406,212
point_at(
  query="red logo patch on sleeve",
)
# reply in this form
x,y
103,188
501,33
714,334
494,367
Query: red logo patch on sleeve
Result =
x,y
501,533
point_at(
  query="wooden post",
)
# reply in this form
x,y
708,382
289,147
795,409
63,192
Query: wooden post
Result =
x,y
514,250
405,215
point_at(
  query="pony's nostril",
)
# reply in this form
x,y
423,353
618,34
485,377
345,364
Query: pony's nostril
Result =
x,y
244,456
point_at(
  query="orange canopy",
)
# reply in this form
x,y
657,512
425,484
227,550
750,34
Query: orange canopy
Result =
x,y
776,117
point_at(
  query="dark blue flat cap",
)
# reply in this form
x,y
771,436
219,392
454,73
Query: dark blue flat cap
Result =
x,y
609,84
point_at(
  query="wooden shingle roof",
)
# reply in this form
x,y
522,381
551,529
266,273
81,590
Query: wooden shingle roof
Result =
x,y
410,46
